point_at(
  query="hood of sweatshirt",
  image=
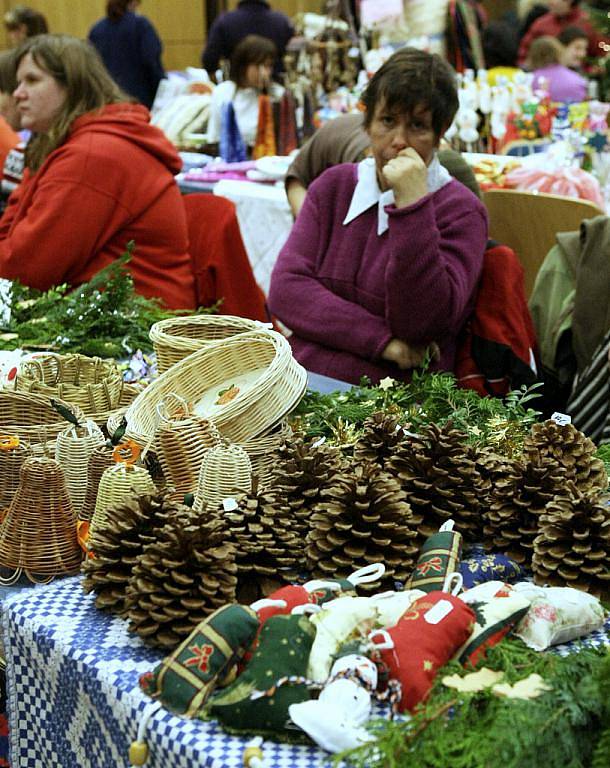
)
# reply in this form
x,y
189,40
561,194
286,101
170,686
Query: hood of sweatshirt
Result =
x,y
132,123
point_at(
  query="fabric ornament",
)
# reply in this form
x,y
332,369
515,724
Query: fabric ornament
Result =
x,y
252,703
495,614
479,567
232,147
287,140
183,681
392,605
557,615
264,145
439,557
425,638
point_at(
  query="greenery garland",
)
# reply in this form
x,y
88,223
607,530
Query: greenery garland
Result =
x,y
562,728
103,317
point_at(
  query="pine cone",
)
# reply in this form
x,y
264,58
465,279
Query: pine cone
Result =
x,y
573,546
381,435
267,544
571,450
363,518
180,578
438,472
130,526
516,503
302,471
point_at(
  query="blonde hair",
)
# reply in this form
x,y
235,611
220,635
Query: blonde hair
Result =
x,y
544,51
76,66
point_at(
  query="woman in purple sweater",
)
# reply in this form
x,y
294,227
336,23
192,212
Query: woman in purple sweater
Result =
x,y
385,255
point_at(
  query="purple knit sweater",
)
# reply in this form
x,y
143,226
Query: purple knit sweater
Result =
x,y
345,291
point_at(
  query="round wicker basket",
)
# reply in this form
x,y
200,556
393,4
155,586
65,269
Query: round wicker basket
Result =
x,y
276,386
32,418
177,337
95,385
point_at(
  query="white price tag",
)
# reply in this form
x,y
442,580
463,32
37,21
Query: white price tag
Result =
x,y
561,418
6,290
229,505
438,612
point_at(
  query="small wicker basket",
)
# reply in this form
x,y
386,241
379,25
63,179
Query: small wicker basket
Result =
x,y
175,338
12,455
32,418
226,470
278,384
118,483
101,458
73,448
93,384
38,533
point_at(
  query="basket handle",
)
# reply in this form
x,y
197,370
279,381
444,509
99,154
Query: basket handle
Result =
x,y
35,367
163,406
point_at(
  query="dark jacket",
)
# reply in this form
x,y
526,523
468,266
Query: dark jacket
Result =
x,y
251,17
131,50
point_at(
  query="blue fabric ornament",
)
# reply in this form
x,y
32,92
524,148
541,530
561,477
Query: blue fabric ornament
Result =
x,y
480,567
232,147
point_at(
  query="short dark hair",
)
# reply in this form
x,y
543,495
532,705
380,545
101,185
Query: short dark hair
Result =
x,y
500,43
569,34
34,22
252,49
409,79
8,71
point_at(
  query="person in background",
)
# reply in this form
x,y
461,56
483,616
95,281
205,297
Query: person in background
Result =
x,y
22,22
385,255
251,17
561,14
9,117
563,84
500,46
249,76
130,48
97,176
526,14
575,43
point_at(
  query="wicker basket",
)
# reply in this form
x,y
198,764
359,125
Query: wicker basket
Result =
x,y
32,418
177,337
12,455
95,385
226,470
278,386
38,533
73,448
119,482
101,458
262,451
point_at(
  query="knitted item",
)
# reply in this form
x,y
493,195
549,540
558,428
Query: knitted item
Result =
x,y
232,147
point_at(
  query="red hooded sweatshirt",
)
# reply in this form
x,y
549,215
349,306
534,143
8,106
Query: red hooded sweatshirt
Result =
x,y
110,182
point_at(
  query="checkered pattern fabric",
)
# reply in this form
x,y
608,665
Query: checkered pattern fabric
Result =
x,y
74,699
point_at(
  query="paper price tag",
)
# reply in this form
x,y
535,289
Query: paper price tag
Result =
x,y
438,612
561,418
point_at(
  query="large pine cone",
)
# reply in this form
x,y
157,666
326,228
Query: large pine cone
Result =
x,y
363,518
573,546
571,450
516,503
302,470
437,470
381,435
268,546
180,578
118,544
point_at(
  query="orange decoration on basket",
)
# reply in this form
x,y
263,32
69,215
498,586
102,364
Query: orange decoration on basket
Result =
x,y
8,442
126,452
82,536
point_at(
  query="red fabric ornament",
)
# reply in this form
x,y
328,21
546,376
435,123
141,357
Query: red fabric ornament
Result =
x,y
426,637
264,146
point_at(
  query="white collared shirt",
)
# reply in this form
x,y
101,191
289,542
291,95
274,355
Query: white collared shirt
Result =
x,y
367,192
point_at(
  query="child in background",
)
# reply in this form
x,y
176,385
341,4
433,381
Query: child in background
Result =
x,y
562,83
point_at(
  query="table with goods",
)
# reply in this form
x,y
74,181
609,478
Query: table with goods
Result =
x,y
228,570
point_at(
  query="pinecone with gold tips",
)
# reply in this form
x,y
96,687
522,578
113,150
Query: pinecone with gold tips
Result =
x,y
180,578
573,546
516,504
381,435
570,449
363,518
118,544
438,472
303,469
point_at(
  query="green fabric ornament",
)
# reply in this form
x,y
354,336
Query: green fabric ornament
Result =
x,y
283,651
439,557
184,680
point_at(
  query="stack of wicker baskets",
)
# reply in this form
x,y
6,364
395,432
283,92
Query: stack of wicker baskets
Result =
x,y
32,418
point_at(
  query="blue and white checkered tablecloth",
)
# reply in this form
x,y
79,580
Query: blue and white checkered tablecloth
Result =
x,y
74,700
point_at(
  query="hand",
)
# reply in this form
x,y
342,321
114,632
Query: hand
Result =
x,y
408,356
407,175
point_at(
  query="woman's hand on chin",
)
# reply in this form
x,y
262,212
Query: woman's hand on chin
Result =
x,y
408,356
407,175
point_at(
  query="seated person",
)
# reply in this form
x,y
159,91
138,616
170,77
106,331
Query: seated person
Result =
x,y
500,45
561,83
575,42
345,140
385,255
9,117
97,176
249,77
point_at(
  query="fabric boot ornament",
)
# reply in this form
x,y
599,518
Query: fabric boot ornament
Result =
x,y
440,556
